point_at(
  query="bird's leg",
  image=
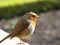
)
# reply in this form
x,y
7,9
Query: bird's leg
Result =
x,y
21,43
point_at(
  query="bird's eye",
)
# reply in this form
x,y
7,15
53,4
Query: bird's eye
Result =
x,y
33,16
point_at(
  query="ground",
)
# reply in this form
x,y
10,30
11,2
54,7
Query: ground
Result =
x,y
47,30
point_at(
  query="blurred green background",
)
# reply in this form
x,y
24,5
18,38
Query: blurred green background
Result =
x,y
48,25
11,8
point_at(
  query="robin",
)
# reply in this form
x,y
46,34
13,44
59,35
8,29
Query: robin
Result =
x,y
24,27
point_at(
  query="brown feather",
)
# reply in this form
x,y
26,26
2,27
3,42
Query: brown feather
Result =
x,y
19,27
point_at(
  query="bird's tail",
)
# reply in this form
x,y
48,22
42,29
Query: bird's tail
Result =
x,y
5,38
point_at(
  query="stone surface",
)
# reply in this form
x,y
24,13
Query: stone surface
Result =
x,y
47,30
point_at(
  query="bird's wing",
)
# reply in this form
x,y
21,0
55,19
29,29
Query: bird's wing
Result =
x,y
19,28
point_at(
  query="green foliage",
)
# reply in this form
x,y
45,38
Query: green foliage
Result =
x,y
37,6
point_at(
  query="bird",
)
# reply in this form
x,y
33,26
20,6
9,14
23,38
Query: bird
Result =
x,y
24,27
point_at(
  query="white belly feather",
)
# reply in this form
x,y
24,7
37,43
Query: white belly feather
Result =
x,y
31,28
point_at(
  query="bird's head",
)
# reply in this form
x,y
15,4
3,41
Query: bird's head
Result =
x,y
31,16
